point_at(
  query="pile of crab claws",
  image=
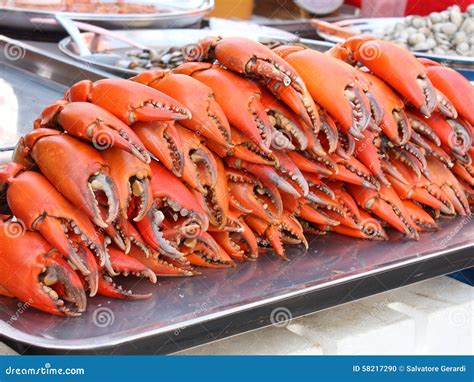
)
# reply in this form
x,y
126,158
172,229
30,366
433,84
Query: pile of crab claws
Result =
x,y
214,163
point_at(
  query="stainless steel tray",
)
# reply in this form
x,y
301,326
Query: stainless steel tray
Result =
x,y
30,79
176,14
376,24
185,312
164,38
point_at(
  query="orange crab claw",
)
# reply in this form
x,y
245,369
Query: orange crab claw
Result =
x,y
452,133
41,208
203,251
92,123
387,205
243,148
311,165
420,189
424,222
200,168
215,199
368,152
354,172
314,215
291,172
132,178
444,179
239,245
255,60
163,141
393,64
286,122
265,174
238,97
370,228
127,100
267,234
87,172
48,283
341,94
454,86
393,122
208,118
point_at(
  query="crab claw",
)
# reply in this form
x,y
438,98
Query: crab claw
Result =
x,y
174,198
90,122
393,64
308,164
370,228
159,266
286,122
263,201
419,189
239,99
208,118
453,134
265,174
418,124
127,100
42,208
424,222
87,172
267,234
203,251
454,86
200,168
311,213
291,172
243,148
48,283
255,60
444,179
215,199
239,245
393,122
354,172
127,265
341,94
386,205
132,178
368,152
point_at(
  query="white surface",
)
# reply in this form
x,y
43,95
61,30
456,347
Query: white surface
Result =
x,y
431,317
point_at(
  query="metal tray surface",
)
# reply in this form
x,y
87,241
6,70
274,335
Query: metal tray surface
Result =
x,y
176,14
179,303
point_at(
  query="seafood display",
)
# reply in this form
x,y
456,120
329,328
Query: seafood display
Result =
x,y
229,158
